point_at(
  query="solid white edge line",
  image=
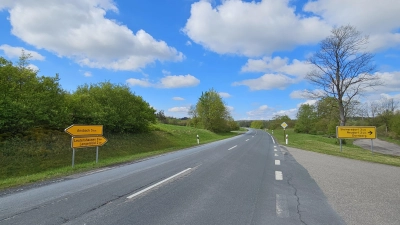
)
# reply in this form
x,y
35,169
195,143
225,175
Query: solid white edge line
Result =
x,y
277,162
278,175
232,147
155,185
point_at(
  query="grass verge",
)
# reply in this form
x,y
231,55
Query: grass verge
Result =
x,y
330,146
27,161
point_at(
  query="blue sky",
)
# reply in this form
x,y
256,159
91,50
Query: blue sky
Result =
x,y
170,51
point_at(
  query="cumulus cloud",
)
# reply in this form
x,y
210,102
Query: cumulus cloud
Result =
x,y
15,52
178,98
33,67
183,109
80,30
252,28
267,82
305,94
278,65
308,102
291,113
379,19
178,81
391,82
261,112
229,108
171,81
224,95
87,74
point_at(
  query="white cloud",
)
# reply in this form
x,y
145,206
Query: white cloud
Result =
x,y
304,94
391,82
308,102
263,112
178,98
138,82
178,81
252,28
179,109
278,65
224,95
33,67
171,81
80,30
188,43
376,18
87,74
230,108
291,113
15,52
267,82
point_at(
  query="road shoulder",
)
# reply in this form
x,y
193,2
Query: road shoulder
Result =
x,y
360,192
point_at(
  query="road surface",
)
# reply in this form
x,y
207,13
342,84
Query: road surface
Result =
x,y
248,179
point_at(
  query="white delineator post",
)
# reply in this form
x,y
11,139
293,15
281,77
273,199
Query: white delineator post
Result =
x,y
287,139
198,139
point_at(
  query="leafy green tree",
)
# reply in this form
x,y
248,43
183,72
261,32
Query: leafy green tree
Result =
x,y
277,120
306,118
257,124
113,106
212,111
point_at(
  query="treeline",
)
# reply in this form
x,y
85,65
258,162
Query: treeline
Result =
x,y
323,117
29,101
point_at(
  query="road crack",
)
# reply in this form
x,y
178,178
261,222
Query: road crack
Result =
x,y
297,198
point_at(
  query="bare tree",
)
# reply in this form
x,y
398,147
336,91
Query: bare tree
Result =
x,y
342,69
389,104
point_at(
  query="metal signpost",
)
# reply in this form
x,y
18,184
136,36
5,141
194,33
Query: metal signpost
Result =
x,y
356,132
84,136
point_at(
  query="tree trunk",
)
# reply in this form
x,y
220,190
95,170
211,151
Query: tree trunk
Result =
x,y
341,113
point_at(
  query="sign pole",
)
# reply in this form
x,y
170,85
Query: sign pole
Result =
x,y
284,133
372,145
73,157
340,145
97,154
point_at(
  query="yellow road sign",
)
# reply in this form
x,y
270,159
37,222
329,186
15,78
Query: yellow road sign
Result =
x,y
85,142
356,132
284,125
84,130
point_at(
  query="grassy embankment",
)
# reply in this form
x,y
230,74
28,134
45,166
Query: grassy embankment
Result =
x,y
49,155
330,146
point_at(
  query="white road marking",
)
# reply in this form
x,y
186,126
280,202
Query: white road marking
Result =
x,y
275,150
252,136
232,147
247,139
281,206
157,184
276,154
278,175
273,140
277,162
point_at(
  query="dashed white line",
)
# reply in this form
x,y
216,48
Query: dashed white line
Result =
x,y
232,147
278,175
277,162
276,154
247,139
157,184
275,150
281,206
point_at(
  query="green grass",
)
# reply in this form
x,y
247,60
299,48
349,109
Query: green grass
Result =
x,y
49,155
330,146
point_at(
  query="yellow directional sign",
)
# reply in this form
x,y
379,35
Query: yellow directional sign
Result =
x,y
84,130
85,142
356,132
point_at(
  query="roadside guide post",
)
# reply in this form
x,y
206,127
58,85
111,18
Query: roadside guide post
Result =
x,y
287,139
284,125
84,136
356,132
198,139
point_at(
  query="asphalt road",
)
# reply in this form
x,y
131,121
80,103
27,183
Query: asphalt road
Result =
x,y
248,179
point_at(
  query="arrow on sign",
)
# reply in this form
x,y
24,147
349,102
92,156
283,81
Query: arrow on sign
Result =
x,y
370,132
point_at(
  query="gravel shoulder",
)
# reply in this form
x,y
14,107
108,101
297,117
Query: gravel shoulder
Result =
x,y
360,192
380,146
